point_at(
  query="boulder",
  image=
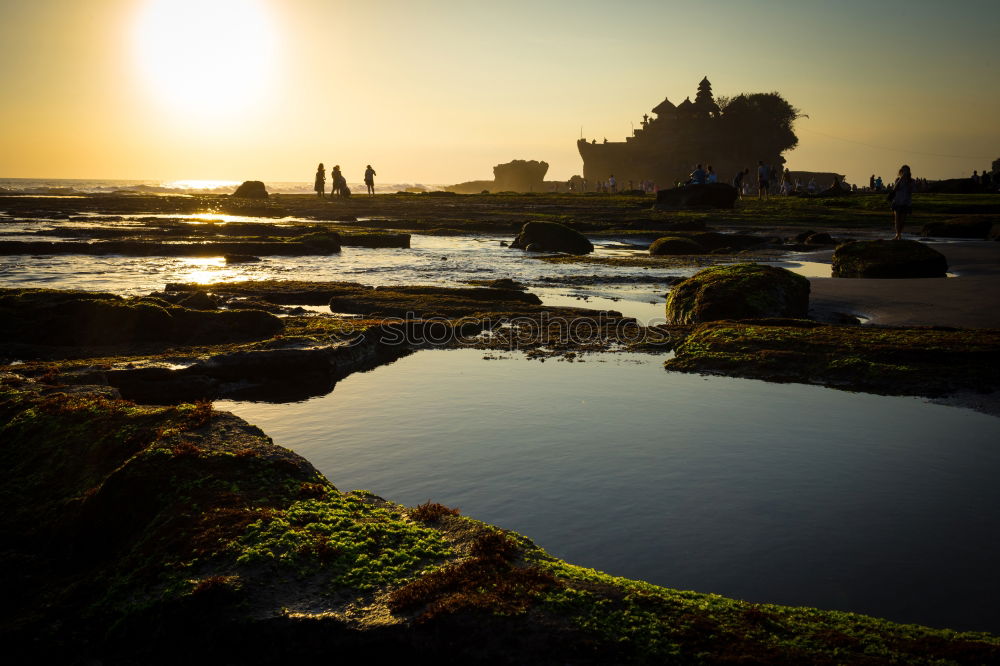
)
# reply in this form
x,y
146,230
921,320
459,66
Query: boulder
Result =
x,y
251,189
801,238
669,245
551,237
888,259
820,238
962,227
711,195
199,300
739,291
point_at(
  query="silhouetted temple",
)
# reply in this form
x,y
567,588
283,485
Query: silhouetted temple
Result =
x,y
669,144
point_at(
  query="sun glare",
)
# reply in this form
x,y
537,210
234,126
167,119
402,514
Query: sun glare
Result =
x,y
205,57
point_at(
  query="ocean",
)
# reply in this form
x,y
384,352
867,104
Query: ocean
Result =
x,y
71,186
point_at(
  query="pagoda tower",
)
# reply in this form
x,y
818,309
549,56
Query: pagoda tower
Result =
x,y
704,102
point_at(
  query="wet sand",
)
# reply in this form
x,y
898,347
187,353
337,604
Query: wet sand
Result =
x,y
971,299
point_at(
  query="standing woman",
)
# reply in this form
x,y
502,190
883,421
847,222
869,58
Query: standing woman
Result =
x,y
902,200
320,185
370,180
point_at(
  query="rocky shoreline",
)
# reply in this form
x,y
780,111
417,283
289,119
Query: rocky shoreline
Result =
x,y
179,532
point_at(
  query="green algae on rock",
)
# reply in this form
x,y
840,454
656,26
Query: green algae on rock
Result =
x,y
68,317
888,259
180,532
670,245
896,361
739,291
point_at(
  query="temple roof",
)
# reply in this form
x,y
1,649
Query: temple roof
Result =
x,y
686,105
666,106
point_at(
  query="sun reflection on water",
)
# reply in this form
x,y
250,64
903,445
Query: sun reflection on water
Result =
x,y
205,270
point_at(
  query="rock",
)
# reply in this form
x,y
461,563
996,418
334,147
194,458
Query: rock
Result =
x,y
669,245
888,259
240,258
712,195
500,283
962,227
199,300
551,237
519,176
820,238
422,301
326,241
740,291
801,238
51,317
251,189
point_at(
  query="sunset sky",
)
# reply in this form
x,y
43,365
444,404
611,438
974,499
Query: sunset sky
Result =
x,y
440,91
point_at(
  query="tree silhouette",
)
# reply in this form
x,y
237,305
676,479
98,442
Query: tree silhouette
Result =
x,y
758,125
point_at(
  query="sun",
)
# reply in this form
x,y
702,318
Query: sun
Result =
x,y
206,57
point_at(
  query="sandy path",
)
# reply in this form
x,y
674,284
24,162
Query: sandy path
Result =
x,y
970,300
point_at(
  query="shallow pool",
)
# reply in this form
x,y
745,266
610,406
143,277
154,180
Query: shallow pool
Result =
x,y
768,492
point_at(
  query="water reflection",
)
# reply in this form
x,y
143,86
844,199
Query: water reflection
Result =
x,y
769,492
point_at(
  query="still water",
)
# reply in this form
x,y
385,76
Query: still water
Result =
x,y
777,493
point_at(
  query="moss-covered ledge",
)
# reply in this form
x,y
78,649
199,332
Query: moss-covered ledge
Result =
x,y
893,361
152,534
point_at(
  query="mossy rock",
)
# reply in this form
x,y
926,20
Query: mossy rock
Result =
x,y
53,317
552,237
962,227
669,245
328,241
431,301
251,189
740,291
888,259
820,238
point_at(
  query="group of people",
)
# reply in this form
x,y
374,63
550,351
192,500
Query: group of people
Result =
x,y
339,183
702,176
986,179
705,176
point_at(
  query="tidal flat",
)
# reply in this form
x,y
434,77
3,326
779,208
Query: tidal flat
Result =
x,y
114,353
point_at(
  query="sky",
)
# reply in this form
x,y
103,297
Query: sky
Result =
x,y
438,92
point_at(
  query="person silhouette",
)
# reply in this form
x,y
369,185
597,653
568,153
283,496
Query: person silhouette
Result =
x,y
320,185
902,200
763,175
335,179
370,180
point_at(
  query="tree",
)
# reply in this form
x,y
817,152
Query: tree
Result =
x,y
759,125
